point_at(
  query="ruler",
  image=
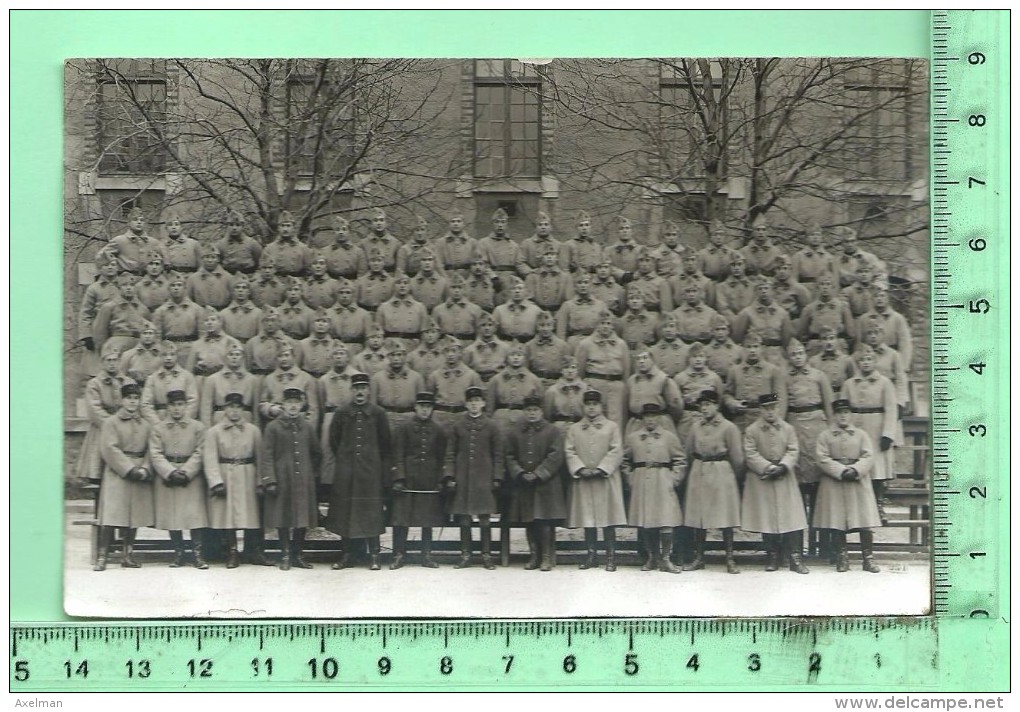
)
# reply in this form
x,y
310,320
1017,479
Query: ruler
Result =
x,y
962,646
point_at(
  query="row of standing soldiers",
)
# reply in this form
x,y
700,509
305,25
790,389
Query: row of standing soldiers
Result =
x,y
688,345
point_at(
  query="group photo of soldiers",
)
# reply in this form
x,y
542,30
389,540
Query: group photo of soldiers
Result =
x,y
576,379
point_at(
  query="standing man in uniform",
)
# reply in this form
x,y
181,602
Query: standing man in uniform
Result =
x,y
344,259
594,451
360,440
179,320
381,241
169,377
419,453
457,317
210,285
534,463
534,248
233,378
654,465
240,252
293,258
771,503
133,247
578,317
603,361
175,450
456,249
349,322
474,471
760,253
125,499
183,254
288,473
395,387
581,253
268,289
119,321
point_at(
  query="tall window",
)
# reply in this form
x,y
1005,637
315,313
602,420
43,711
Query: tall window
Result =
x,y
689,101
880,106
131,116
319,127
508,119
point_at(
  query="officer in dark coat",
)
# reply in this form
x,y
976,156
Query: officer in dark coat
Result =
x,y
474,470
288,470
534,463
359,437
419,452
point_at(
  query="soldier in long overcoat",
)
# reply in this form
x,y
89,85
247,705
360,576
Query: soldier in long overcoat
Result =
x,y
872,399
288,471
361,443
655,465
771,503
175,450
125,499
594,451
335,392
716,459
534,464
475,466
230,455
102,397
846,501
419,454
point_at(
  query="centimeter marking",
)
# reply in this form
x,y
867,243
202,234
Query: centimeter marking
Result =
x,y
665,653
969,250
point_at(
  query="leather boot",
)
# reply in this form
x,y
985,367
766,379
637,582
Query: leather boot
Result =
x,y
793,540
177,539
487,547
610,534
771,552
547,536
867,550
731,564
196,547
233,558
345,556
426,549
105,535
298,558
842,557
698,563
255,547
284,548
373,554
878,486
591,537
533,548
399,547
665,564
465,548
128,562
651,549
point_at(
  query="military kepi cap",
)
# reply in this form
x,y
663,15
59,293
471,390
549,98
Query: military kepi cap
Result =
x,y
130,389
425,397
767,399
651,409
234,399
532,401
293,394
176,397
360,379
591,397
708,397
840,404
474,392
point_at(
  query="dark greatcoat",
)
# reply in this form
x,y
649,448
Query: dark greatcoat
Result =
x,y
359,437
419,452
474,458
291,456
538,448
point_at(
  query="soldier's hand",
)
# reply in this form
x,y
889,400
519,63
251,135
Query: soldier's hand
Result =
x,y
849,475
218,490
143,474
398,487
89,343
884,443
272,489
530,477
451,485
598,472
497,485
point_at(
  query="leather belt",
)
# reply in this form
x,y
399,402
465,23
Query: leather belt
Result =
x,y
867,410
652,464
711,458
542,373
218,408
398,409
182,269
177,339
846,460
403,334
237,460
130,453
804,408
260,371
177,459
771,342
605,376
509,406
447,408
566,418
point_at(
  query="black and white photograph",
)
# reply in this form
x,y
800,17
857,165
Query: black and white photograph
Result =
x,y
496,338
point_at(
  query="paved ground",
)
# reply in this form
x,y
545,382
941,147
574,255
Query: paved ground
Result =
x,y
156,591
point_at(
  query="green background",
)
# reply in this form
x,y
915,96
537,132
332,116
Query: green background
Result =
x,y
41,40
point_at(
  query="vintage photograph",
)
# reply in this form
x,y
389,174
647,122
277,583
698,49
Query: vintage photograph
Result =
x,y
512,338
